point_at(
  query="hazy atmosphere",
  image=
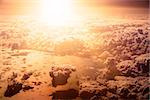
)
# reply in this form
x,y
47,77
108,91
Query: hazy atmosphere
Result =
x,y
74,49
26,6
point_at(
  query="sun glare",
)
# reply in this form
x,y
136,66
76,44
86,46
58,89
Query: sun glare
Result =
x,y
56,12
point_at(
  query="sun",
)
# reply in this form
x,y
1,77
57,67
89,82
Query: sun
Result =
x,y
57,12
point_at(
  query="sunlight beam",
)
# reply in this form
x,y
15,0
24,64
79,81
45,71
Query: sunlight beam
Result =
x,y
56,12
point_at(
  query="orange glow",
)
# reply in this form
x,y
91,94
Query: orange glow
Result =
x,y
56,12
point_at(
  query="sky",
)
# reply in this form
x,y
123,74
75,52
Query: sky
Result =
x,y
29,6
135,3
